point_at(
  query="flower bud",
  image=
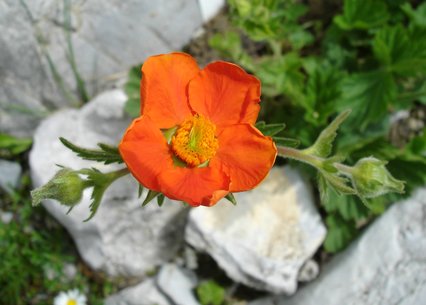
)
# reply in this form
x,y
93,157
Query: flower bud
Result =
x,y
370,178
66,187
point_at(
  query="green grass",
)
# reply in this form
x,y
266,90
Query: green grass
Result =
x,y
34,250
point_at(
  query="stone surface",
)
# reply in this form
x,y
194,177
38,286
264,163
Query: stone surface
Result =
x,y
210,8
107,38
265,239
123,238
177,283
145,293
308,272
10,172
386,265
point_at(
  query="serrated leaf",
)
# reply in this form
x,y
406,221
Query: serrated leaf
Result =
x,y
108,154
150,196
324,144
270,129
400,50
417,16
362,15
369,96
231,198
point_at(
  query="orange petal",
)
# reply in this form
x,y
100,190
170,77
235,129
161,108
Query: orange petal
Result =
x,y
246,153
195,186
164,85
145,152
225,94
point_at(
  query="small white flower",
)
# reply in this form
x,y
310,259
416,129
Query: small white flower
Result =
x,y
71,297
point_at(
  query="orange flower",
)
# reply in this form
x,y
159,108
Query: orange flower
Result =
x,y
195,140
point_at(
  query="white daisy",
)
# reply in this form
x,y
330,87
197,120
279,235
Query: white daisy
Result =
x,y
71,297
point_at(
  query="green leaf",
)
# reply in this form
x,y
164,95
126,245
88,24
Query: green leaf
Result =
x,y
339,234
362,15
270,129
369,95
324,144
230,46
231,198
11,146
150,196
108,154
140,190
132,89
323,90
132,107
417,16
210,293
100,182
400,50
282,75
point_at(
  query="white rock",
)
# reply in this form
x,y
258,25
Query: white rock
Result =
x,y
123,238
145,293
265,239
108,37
9,175
309,271
210,8
386,265
177,283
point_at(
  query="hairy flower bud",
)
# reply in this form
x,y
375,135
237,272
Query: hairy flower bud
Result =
x,y
66,187
370,178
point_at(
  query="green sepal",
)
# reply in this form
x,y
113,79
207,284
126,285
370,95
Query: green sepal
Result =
x,y
160,200
231,198
270,129
140,190
149,197
289,142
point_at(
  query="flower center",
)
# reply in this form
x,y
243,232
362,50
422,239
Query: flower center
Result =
x,y
194,141
72,302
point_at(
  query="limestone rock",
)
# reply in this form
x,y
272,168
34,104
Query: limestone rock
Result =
x,y
10,173
145,293
265,239
177,283
107,38
386,265
123,238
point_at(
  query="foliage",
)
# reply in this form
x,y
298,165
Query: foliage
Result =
x,y
12,146
210,293
34,251
369,57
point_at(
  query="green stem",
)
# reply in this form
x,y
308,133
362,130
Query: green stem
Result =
x,y
295,154
118,174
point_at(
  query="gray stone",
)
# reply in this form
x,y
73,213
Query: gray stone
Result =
x,y
123,238
107,38
177,283
266,238
10,172
386,265
145,293
309,271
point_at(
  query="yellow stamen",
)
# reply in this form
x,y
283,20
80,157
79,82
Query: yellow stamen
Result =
x,y
72,302
194,141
